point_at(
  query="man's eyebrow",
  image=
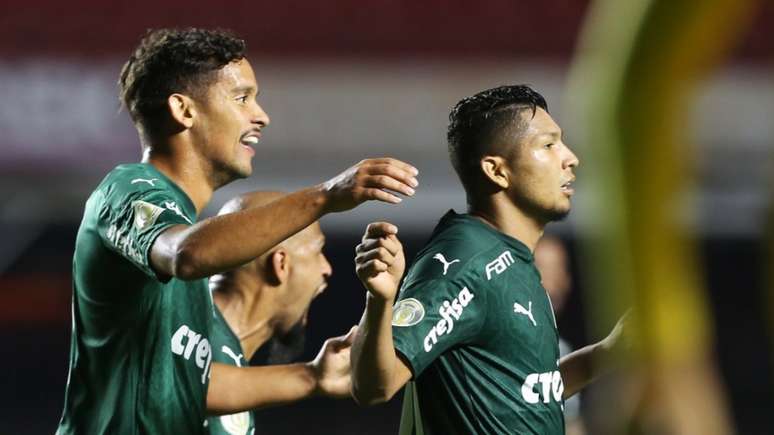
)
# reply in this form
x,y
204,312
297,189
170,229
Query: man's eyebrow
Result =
x,y
243,89
556,134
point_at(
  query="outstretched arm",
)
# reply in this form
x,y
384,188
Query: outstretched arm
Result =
x,y
377,372
224,242
585,365
234,389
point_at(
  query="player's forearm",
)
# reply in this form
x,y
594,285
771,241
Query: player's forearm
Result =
x,y
236,389
583,366
587,364
225,242
373,355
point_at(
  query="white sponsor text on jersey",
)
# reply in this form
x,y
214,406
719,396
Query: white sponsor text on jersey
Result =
x,y
450,312
551,387
499,264
185,340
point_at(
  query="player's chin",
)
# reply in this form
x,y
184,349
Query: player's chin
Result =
x,y
243,170
558,212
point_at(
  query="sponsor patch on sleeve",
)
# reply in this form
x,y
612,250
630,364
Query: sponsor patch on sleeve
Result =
x,y
407,312
145,214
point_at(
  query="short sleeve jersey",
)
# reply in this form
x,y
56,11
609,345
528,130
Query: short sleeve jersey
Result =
x,y
477,329
226,349
140,354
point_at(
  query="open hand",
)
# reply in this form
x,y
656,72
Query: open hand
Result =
x,y
371,179
621,338
332,367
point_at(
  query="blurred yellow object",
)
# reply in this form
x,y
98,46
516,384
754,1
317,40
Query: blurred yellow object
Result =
x,y
632,84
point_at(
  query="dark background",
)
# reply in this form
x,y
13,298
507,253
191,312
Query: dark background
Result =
x,y
36,353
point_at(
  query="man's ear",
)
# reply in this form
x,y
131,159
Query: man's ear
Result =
x,y
495,170
182,110
278,266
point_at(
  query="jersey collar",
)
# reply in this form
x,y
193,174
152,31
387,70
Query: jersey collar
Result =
x,y
521,250
188,205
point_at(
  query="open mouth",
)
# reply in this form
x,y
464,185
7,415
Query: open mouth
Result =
x,y
251,138
321,289
567,187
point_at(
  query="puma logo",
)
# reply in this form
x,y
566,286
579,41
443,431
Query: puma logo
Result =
x,y
150,181
237,358
445,263
171,205
519,309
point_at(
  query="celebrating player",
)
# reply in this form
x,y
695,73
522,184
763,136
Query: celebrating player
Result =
x,y
473,327
141,358
261,309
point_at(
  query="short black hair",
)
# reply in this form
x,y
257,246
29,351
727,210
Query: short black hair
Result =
x,y
169,61
475,123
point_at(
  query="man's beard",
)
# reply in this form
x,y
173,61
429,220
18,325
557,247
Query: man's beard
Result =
x,y
553,215
283,349
541,213
224,173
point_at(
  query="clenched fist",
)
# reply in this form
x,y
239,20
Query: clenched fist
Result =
x,y
379,260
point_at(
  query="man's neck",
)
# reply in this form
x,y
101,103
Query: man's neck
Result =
x,y
506,217
186,170
247,310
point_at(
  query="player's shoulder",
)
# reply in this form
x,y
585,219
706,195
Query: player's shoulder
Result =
x,y
460,245
133,183
133,177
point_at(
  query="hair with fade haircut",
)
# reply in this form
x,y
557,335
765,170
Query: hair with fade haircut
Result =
x,y
169,61
476,122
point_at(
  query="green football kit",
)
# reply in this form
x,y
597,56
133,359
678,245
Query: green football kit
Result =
x,y
226,349
140,354
477,329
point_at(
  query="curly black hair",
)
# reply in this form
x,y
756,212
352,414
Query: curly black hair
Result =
x,y
169,61
475,123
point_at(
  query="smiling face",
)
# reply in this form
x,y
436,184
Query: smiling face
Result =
x,y
540,168
229,122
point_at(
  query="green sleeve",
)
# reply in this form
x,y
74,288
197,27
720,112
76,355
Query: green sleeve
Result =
x,y
432,316
130,220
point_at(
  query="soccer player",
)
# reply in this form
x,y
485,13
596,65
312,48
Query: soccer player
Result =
x,y
262,307
473,329
141,358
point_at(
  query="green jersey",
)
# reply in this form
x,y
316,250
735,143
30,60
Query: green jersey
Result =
x,y
477,329
227,349
140,355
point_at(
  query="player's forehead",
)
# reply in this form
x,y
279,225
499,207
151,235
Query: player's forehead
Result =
x,y
540,126
237,77
310,238
315,236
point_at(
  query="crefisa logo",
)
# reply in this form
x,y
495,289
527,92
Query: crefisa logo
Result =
x,y
450,312
183,343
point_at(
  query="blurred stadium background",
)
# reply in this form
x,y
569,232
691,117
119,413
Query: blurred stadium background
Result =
x,y
344,81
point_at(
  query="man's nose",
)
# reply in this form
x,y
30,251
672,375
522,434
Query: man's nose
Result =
x,y
570,160
260,117
327,270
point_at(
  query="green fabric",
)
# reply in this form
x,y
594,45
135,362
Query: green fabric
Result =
x,y
411,423
478,332
140,357
226,349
